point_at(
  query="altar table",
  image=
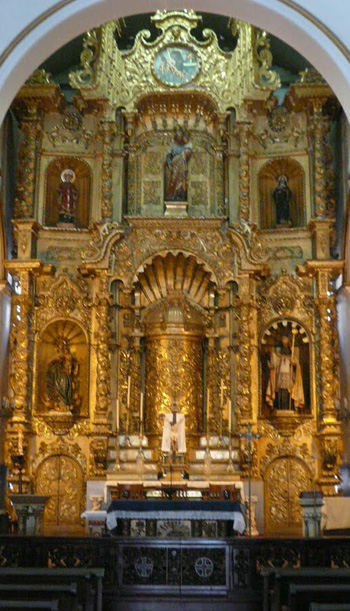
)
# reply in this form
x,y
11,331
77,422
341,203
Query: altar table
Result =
x,y
166,513
336,513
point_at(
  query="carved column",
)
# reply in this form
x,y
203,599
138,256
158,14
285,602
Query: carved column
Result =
x,y
21,359
103,347
244,171
107,131
330,431
213,384
135,375
320,124
244,399
25,196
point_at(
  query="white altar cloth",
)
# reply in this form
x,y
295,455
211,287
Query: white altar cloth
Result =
x,y
335,513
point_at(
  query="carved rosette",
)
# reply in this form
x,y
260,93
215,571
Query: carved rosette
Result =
x,y
244,173
103,343
244,404
25,196
108,131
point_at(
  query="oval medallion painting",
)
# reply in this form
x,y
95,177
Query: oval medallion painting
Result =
x,y
176,65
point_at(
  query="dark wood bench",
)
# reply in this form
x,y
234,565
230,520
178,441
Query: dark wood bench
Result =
x,y
51,605
301,596
329,607
88,581
67,595
277,581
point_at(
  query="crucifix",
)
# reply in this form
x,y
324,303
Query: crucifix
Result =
x,y
249,436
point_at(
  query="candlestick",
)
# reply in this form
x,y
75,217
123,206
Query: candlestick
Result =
x,y
20,442
208,410
222,393
117,416
141,411
129,392
229,416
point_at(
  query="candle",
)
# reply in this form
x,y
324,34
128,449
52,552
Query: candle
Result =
x,y
129,391
117,416
208,409
229,416
141,409
20,442
222,393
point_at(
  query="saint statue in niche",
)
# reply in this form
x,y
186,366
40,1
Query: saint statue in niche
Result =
x,y
61,379
176,167
67,197
282,196
285,367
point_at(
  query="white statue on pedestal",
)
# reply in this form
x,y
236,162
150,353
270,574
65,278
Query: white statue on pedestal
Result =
x,y
174,438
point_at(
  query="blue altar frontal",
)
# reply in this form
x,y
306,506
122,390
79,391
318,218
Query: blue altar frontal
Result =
x,y
175,518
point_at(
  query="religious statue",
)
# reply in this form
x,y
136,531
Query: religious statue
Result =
x,y
285,384
176,166
61,378
174,431
282,196
67,197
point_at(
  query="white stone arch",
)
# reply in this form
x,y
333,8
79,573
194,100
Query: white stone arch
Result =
x,y
32,31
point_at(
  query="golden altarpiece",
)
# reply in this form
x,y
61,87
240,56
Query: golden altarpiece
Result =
x,y
174,225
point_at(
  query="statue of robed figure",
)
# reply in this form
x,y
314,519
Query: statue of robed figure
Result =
x,y
282,196
61,375
176,167
285,384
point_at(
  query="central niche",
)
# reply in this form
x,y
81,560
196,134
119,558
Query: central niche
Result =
x,y
175,290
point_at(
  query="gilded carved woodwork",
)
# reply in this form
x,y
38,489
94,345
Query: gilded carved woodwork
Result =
x,y
122,77
200,299
107,131
102,339
24,200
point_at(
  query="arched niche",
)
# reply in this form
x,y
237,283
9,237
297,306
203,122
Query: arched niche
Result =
x,y
285,370
53,181
62,371
174,291
268,181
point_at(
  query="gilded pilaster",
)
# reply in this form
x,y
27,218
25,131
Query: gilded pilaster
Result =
x,y
330,428
103,347
244,405
244,171
31,129
108,131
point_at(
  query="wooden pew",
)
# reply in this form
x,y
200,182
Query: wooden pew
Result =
x,y
51,605
329,607
277,581
301,596
89,581
67,594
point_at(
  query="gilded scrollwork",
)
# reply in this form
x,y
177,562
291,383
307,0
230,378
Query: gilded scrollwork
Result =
x,y
102,347
122,77
31,128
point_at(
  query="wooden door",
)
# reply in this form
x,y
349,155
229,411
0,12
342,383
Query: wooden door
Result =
x,y
61,478
285,478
